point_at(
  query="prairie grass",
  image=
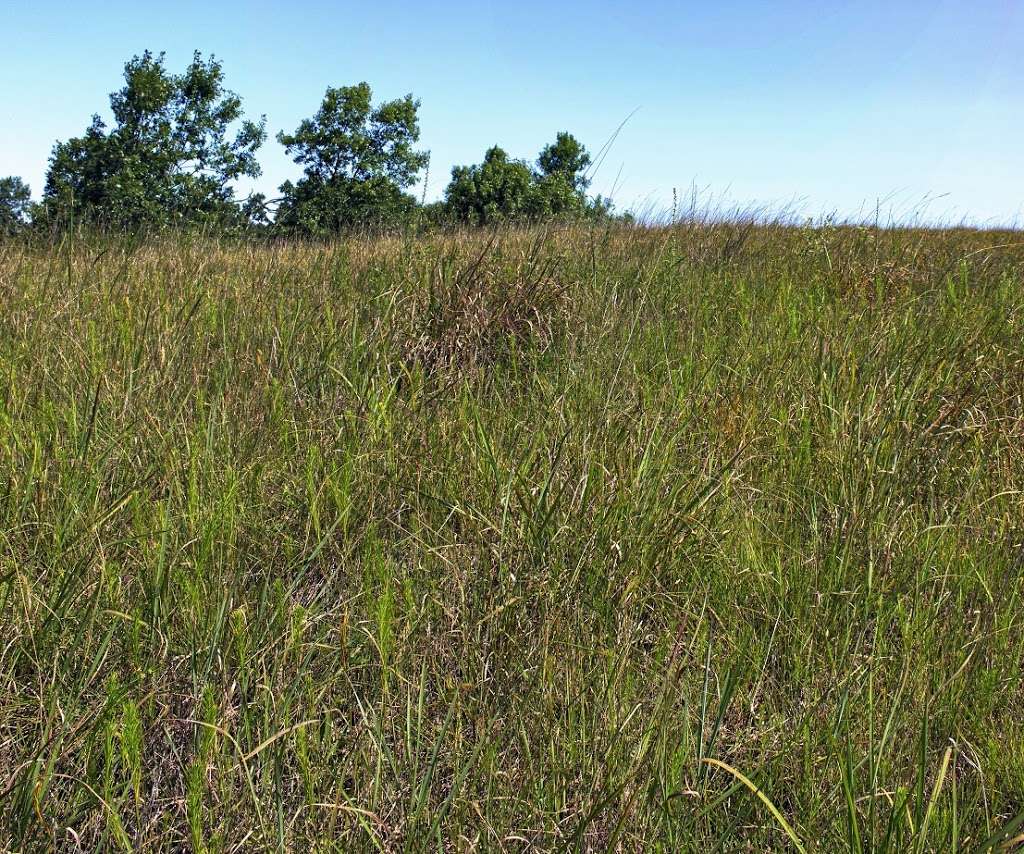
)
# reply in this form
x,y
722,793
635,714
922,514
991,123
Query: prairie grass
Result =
x,y
704,537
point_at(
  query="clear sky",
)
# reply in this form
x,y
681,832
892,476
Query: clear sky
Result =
x,y
830,106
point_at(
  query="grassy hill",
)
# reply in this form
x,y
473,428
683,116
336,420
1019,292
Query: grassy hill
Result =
x,y
588,539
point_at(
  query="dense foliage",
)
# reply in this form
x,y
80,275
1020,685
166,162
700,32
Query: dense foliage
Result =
x,y
179,143
169,159
501,189
357,161
15,204
498,188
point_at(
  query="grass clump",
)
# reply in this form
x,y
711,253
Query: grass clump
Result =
x,y
683,538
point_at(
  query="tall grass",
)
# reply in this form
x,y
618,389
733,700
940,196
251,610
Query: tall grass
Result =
x,y
707,537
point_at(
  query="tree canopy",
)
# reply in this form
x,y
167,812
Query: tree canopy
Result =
x,y
358,160
566,158
497,189
15,204
502,189
170,157
177,145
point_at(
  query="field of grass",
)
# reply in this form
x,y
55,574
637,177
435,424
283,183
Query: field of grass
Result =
x,y
698,538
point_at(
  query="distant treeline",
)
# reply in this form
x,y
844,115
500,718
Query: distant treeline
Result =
x,y
179,142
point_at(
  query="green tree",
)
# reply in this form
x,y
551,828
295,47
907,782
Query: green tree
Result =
x,y
170,157
358,161
566,158
561,179
496,190
15,205
502,189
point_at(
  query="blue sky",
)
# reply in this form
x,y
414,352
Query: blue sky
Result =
x,y
824,107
